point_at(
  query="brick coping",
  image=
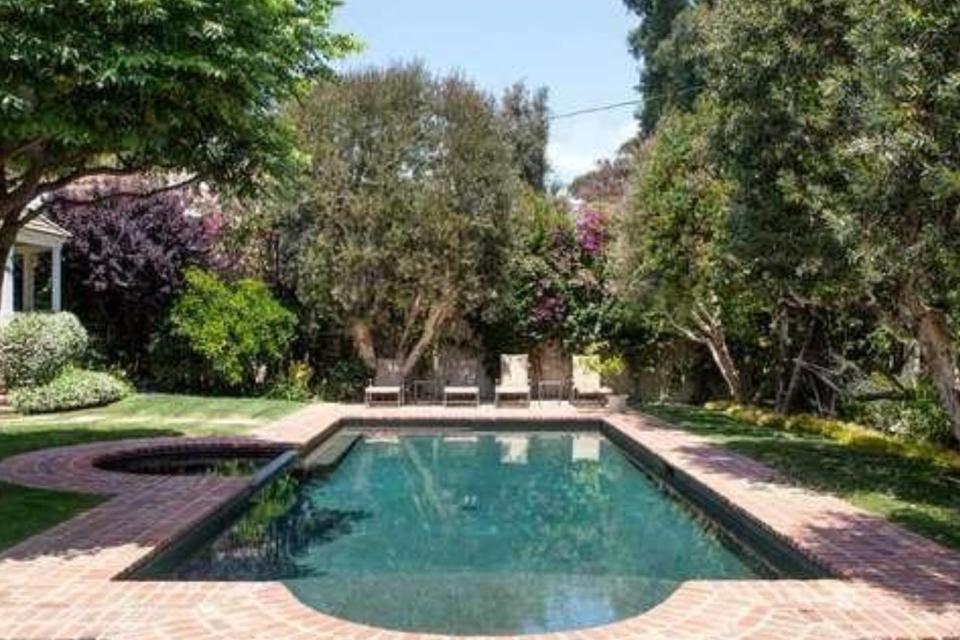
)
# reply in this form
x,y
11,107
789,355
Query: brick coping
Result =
x,y
60,583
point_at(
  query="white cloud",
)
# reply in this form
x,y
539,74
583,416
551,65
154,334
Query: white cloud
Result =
x,y
578,143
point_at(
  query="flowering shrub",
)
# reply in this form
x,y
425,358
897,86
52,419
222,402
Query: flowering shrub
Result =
x,y
558,279
592,232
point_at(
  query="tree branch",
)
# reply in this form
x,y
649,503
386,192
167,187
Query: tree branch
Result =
x,y
14,201
686,332
23,147
60,183
412,315
73,202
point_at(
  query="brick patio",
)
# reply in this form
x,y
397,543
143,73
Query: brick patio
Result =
x,y
892,583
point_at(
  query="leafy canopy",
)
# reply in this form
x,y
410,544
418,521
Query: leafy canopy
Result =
x,y
126,85
401,223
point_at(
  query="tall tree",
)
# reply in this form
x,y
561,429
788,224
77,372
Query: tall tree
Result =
x,y
673,254
527,129
765,68
901,156
123,86
401,224
841,132
669,75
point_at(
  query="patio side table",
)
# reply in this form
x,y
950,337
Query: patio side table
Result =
x,y
545,387
426,391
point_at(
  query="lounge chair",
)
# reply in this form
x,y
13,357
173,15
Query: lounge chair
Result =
x,y
586,379
514,378
387,382
460,382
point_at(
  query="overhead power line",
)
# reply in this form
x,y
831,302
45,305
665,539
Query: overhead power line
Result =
x,y
626,103
607,107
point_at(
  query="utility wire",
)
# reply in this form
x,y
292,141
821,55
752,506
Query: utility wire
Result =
x,y
627,103
608,107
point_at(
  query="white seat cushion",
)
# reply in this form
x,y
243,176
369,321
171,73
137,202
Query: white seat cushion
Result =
x,y
383,390
461,390
513,389
601,391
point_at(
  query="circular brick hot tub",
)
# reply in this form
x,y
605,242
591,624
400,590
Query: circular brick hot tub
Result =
x,y
193,458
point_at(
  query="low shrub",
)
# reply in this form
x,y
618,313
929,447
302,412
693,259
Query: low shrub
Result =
x,y
848,433
35,347
918,416
344,381
295,385
222,336
73,388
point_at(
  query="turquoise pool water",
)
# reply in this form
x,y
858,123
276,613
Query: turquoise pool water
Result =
x,y
472,533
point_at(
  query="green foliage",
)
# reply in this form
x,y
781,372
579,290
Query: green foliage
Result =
x,y
766,67
72,388
847,433
902,161
402,221
918,416
673,245
344,381
556,285
525,115
663,44
603,360
295,385
35,347
223,336
191,86
840,121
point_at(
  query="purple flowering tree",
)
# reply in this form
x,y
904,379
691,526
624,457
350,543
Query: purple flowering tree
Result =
x,y
125,262
592,232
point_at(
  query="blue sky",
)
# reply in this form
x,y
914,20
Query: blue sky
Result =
x,y
576,48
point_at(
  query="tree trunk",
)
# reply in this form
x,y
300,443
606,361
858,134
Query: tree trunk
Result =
x,y
435,320
363,342
8,237
932,332
940,361
726,365
788,397
709,331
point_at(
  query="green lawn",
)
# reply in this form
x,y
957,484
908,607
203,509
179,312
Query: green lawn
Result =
x,y
24,512
912,493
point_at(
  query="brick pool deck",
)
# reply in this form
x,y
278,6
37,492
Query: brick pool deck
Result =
x,y
61,583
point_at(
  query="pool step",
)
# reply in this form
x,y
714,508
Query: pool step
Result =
x,y
329,454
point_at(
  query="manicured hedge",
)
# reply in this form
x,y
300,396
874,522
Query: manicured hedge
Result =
x,y
72,389
35,347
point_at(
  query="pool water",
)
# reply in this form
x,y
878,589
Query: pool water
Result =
x,y
473,533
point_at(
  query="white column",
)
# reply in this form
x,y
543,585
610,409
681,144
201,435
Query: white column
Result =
x,y
6,301
29,284
56,274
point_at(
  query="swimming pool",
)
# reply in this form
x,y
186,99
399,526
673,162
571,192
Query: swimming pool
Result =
x,y
473,531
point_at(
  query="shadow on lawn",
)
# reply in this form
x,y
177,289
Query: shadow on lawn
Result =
x,y
915,493
21,441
